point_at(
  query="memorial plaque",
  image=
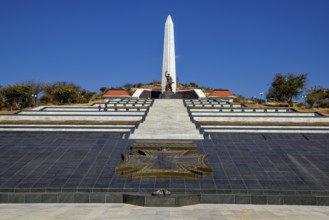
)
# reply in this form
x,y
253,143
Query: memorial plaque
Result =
x,y
161,159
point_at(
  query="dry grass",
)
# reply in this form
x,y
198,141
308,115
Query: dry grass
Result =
x,y
7,112
129,107
324,111
102,101
256,105
156,86
208,107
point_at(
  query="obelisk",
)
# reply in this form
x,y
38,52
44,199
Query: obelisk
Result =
x,y
168,63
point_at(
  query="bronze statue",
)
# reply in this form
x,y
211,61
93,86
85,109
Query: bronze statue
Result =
x,y
169,81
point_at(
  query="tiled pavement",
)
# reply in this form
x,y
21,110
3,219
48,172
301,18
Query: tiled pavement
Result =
x,y
195,212
247,168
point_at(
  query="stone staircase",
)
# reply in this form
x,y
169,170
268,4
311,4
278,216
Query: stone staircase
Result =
x,y
117,116
211,116
167,119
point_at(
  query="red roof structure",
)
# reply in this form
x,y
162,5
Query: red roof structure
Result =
x,y
116,93
221,93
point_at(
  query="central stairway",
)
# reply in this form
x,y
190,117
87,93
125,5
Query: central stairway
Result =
x,y
167,119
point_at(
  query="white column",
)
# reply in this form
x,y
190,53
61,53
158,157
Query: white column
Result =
x,y
169,63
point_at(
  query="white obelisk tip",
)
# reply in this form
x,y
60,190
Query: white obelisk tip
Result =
x,y
169,20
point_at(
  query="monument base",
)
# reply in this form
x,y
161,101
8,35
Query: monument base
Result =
x,y
168,95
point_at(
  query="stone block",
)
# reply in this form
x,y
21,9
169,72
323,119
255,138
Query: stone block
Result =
x,y
322,200
168,95
4,198
49,198
308,200
292,200
154,201
242,199
184,200
16,198
81,198
134,199
257,199
97,197
66,197
114,198
274,200
33,198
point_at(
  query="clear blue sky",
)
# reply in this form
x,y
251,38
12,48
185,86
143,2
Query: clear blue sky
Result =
x,y
233,44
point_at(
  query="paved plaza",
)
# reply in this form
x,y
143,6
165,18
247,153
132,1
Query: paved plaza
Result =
x,y
195,212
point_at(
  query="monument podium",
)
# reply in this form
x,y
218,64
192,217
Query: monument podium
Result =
x,y
168,95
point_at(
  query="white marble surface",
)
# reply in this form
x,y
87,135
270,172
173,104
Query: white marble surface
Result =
x,y
70,117
167,119
265,131
138,92
84,113
200,93
169,59
228,113
261,119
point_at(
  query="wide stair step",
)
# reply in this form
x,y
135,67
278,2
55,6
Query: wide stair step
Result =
x,y
167,119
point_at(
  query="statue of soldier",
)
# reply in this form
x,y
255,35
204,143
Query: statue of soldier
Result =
x,y
169,81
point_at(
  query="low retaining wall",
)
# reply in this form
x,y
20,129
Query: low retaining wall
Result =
x,y
70,118
260,119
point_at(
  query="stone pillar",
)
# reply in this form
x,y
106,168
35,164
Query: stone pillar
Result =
x,y
168,64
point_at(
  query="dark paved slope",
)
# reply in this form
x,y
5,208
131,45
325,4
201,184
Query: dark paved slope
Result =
x,y
243,165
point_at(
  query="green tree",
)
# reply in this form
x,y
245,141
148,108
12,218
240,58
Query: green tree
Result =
x,y
317,96
63,92
103,89
86,96
17,96
36,87
46,98
194,85
128,86
2,98
285,87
